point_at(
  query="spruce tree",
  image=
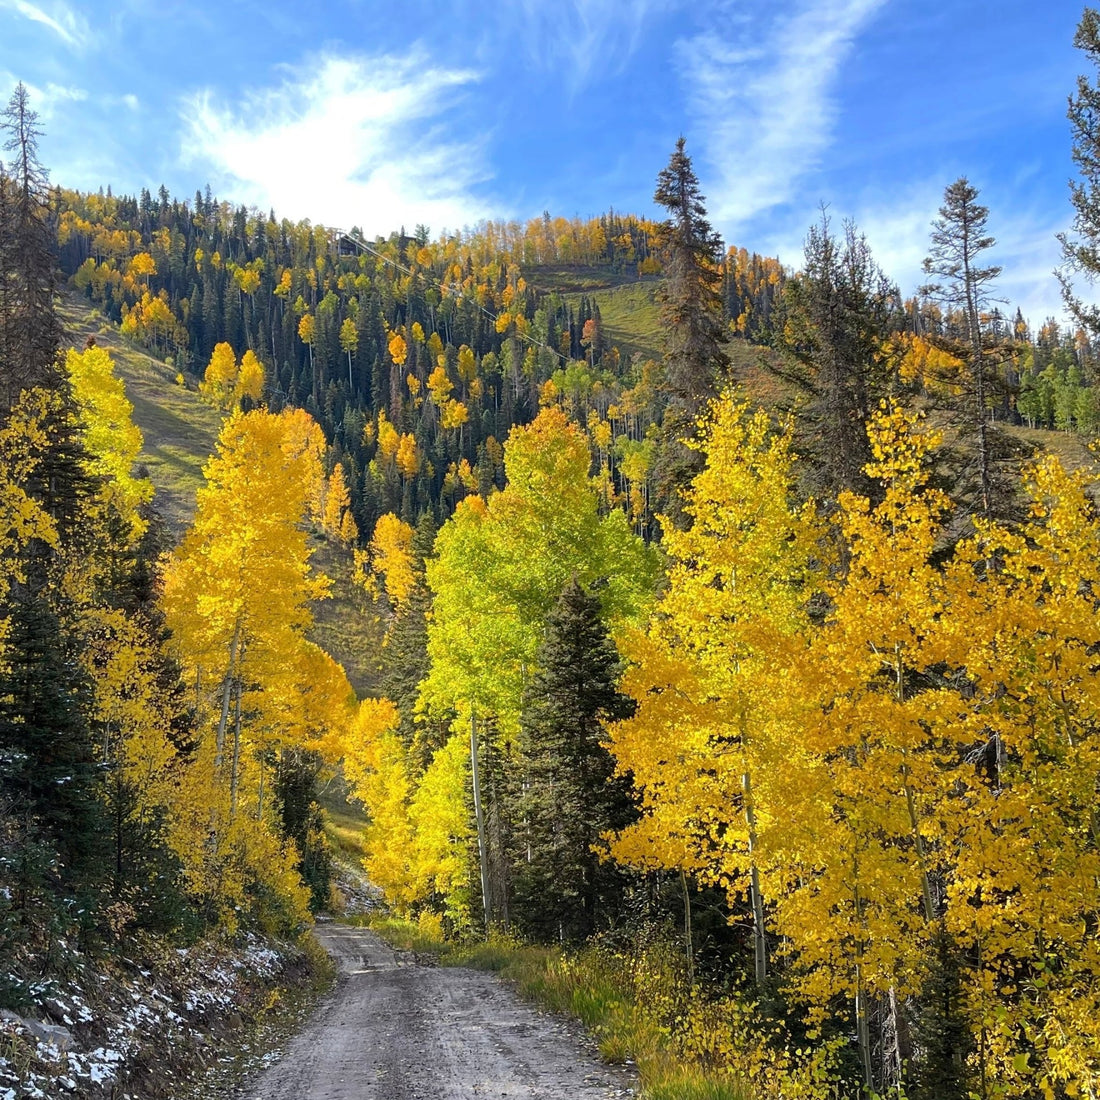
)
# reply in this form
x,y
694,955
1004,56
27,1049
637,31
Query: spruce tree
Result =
x,y
49,774
959,238
693,323
835,317
691,299
570,795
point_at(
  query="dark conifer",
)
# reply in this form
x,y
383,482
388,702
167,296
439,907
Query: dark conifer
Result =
x,y
691,299
1082,248
835,317
692,315
49,767
959,238
30,333
570,796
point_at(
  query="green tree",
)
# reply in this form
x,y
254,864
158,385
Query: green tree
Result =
x,y
30,332
959,238
1081,249
837,315
692,320
570,797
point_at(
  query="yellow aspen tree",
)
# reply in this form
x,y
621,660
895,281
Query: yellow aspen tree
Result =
x,y
392,559
711,736
250,379
1019,818
453,415
24,442
337,502
143,265
112,441
856,900
501,565
440,825
408,455
389,439
220,379
398,349
375,766
306,329
349,341
237,599
439,386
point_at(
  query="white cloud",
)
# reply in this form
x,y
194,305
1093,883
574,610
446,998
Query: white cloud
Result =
x,y
70,27
765,110
344,141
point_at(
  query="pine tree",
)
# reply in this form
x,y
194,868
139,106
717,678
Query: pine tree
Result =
x,y
570,796
837,315
691,293
50,777
958,239
1082,249
30,333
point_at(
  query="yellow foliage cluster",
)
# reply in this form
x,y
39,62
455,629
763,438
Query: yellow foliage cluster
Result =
x,y
226,381
236,596
915,768
111,439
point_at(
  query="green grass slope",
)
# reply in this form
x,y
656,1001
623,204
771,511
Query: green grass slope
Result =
x,y
179,429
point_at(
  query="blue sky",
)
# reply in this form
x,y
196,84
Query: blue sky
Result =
x,y
385,114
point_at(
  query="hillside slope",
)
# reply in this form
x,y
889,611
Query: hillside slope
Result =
x,y
180,433
179,429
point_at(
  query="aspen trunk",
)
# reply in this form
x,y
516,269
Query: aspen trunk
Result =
x,y
759,942
689,947
236,755
479,817
227,692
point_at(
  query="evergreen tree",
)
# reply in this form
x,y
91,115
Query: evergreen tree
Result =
x,y
30,333
301,820
837,314
691,298
49,774
570,797
692,315
942,1030
1082,249
959,238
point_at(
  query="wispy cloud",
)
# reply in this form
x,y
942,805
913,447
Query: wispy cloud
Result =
x,y
345,141
578,37
761,88
71,27
898,229
45,99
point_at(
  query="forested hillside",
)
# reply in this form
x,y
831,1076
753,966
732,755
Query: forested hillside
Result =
x,y
731,626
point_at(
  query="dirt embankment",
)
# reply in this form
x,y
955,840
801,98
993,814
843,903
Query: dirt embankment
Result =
x,y
393,1029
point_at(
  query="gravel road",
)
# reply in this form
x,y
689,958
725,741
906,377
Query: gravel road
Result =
x,y
395,1030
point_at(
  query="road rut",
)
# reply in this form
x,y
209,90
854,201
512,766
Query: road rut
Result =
x,y
395,1030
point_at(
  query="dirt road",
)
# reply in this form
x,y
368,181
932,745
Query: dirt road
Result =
x,y
394,1030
